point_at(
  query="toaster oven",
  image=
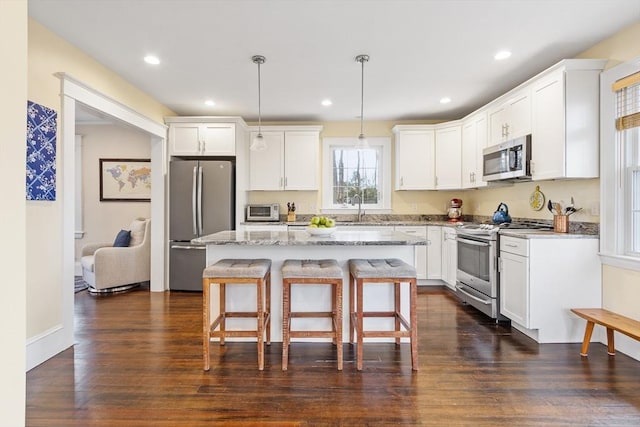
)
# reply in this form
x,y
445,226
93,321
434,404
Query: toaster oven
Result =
x,y
263,212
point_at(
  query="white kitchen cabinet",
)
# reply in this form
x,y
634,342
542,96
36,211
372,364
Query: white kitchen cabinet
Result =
x,y
474,140
449,257
510,116
565,121
434,252
448,142
542,278
290,161
420,263
415,157
202,139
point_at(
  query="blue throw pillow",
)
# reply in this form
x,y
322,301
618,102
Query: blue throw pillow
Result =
x,y
122,239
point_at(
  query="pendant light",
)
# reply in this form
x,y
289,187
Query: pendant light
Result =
x,y
362,142
258,143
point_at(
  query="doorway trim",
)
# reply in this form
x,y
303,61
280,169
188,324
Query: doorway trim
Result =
x,y
73,91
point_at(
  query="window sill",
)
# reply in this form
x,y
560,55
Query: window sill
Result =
x,y
621,261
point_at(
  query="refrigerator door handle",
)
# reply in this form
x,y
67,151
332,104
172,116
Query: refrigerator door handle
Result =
x,y
200,201
194,200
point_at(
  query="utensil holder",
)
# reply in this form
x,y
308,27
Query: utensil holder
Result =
x,y
291,217
561,223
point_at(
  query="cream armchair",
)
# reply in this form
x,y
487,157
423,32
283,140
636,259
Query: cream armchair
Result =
x,y
110,269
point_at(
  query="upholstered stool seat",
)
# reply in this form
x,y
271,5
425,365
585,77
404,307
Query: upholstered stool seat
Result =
x,y
237,272
391,270
311,272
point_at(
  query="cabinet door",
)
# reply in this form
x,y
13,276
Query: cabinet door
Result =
x,y
184,138
415,160
449,258
301,155
420,256
266,168
481,144
519,114
514,287
548,139
497,122
218,139
448,153
434,252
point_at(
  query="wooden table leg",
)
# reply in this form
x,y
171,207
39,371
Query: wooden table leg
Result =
x,y
587,338
611,348
206,323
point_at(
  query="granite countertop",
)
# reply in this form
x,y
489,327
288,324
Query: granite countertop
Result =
x,y
303,238
545,234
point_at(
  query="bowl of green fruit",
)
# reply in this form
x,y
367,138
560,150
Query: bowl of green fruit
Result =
x,y
321,226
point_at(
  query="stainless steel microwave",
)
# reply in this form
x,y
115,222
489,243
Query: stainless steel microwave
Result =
x,y
263,212
509,160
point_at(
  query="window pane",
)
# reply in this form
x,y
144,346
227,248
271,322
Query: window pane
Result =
x,y
355,172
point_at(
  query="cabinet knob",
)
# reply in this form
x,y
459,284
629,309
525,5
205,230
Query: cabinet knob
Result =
x,y
401,181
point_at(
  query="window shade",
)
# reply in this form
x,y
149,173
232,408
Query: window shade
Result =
x,y
627,102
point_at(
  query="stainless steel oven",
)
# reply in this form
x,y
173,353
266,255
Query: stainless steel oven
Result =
x,y
477,275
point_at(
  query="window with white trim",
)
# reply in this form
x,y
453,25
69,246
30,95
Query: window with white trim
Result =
x,y
349,173
620,165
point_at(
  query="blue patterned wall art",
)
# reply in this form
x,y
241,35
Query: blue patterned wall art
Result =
x,y
41,152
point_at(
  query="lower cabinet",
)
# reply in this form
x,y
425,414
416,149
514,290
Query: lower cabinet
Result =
x,y
449,257
434,252
420,261
542,278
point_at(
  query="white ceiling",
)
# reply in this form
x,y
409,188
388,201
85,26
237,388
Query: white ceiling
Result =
x,y
420,51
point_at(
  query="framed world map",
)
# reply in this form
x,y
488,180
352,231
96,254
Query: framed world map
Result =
x,y
125,180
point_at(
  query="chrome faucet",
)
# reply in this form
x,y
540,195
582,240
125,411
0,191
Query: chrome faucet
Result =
x,y
358,199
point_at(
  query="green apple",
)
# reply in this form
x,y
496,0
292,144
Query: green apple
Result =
x,y
331,222
323,220
313,225
315,220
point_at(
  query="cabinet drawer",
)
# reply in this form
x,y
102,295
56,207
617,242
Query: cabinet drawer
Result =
x,y
514,245
412,230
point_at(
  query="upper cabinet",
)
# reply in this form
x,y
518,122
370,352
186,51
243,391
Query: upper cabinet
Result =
x,y
448,157
290,161
202,139
565,121
510,117
474,140
415,158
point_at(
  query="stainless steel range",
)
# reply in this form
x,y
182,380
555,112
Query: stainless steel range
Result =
x,y
477,279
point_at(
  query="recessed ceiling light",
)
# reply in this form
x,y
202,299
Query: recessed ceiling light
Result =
x,y
445,100
326,102
152,59
503,54
209,102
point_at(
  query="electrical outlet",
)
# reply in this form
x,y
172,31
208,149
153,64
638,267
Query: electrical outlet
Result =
x,y
595,209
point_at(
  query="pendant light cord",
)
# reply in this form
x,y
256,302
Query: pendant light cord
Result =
x,y
259,102
362,97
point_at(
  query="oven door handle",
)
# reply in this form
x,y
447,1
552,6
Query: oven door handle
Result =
x,y
480,300
472,242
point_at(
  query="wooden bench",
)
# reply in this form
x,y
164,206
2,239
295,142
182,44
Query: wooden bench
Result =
x,y
611,321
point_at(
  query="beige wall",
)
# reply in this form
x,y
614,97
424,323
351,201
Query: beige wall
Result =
x,y
13,86
102,220
47,55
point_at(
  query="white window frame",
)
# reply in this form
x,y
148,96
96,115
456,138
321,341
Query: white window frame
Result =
x,y
328,144
614,197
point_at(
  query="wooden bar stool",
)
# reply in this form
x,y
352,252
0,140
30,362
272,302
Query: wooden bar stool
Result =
x,y
307,272
362,271
233,272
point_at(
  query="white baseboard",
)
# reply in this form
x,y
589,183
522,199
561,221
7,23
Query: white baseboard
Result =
x,y
46,345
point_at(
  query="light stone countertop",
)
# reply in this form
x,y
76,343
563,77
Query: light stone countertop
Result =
x,y
545,234
302,238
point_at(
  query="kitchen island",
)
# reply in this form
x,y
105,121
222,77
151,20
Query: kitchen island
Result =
x,y
277,246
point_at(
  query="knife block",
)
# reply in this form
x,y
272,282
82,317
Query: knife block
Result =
x,y
291,217
561,223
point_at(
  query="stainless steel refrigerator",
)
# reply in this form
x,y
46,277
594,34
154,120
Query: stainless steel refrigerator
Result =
x,y
201,202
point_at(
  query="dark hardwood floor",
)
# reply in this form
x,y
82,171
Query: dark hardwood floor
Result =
x,y
137,362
